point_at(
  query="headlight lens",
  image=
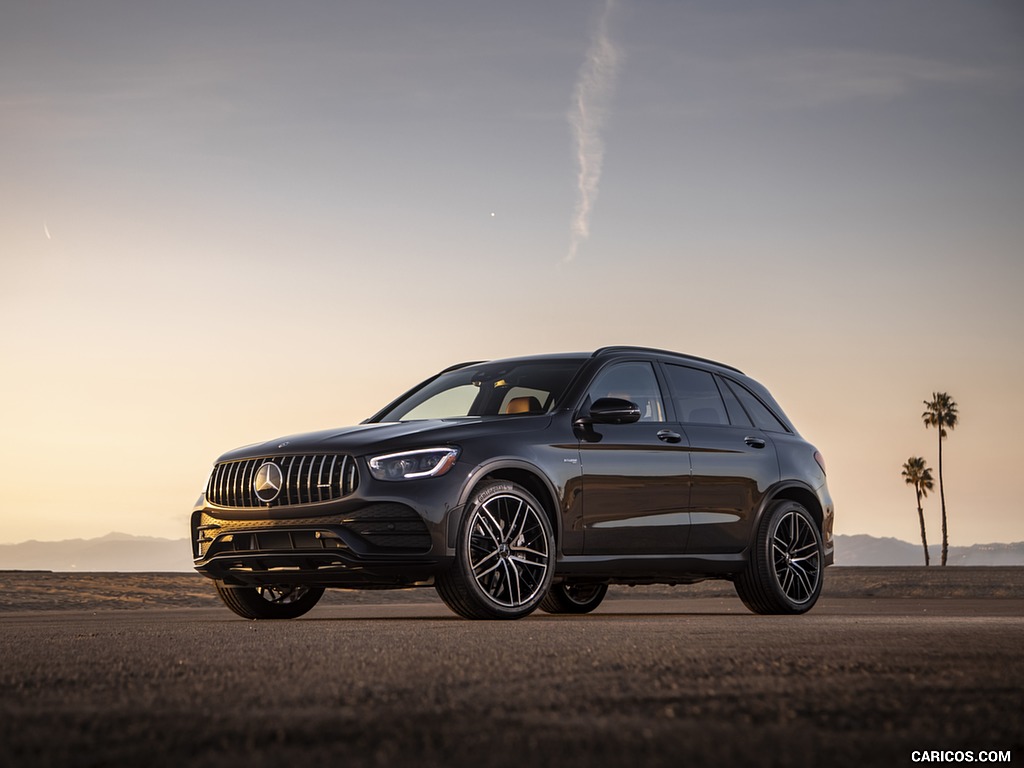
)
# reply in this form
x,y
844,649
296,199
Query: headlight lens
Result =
x,y
410,465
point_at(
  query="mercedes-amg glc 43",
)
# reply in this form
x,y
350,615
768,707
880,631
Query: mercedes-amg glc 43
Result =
x,y
526,483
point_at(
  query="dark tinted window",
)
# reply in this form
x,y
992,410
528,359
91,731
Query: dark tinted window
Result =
x,y
737,415
763,418
696,396
634,382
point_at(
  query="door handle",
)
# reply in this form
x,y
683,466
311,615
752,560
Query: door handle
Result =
x,y
754,442
668,436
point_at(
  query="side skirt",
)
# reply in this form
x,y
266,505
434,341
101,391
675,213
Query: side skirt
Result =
x,y
650,569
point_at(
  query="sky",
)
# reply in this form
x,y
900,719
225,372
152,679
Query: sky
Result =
x,y
222,222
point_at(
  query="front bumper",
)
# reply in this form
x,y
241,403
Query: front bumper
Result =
x,y
381,535
387,544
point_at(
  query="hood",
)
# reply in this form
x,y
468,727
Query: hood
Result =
x,y
377,438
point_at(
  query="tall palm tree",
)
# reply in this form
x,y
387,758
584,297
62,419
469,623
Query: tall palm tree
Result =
x,y
940,412
919,476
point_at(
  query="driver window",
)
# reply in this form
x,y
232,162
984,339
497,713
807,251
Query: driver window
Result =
x,y
635,382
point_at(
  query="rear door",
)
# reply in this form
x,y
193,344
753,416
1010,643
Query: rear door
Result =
x,y
733,460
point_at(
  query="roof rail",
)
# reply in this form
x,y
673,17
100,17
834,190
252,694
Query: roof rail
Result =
x,y
629,348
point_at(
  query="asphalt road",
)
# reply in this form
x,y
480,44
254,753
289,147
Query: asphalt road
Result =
x,y
665,682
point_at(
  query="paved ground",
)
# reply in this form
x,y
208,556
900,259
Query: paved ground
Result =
x,y
661,681
62,591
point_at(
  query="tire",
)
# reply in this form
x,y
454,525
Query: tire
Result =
x,y
785,570
573,598
276,602
504,557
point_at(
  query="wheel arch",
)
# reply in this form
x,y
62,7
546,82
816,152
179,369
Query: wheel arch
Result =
x,y
791,491
523,473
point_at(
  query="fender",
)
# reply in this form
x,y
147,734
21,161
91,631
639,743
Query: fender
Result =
x,y
774,493
483,470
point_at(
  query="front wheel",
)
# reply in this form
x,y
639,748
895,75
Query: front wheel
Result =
x,y
504,558
784,572
269,602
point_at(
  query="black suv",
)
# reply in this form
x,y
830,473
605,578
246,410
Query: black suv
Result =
x,y
529,482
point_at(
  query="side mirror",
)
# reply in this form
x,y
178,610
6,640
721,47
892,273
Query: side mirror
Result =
x,y
614,410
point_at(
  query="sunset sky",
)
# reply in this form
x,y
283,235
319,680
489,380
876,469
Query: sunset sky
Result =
x,y
221,222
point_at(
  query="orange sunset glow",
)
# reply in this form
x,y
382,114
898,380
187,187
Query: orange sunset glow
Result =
x,y
220,225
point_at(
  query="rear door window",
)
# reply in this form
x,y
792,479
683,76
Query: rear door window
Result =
x,y
695,396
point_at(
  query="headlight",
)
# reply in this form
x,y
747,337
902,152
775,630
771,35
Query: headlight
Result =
x,y
410,465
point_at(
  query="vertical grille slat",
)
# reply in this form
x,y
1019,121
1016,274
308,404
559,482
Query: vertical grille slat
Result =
x,y
307,479
330,477
289,483
232,498
351,479
215,482
300,481
222,485
320,479
211,484
248,497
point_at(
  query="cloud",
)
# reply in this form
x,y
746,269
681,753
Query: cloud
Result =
x,y
815,76
587,117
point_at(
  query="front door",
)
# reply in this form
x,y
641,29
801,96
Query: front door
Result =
x,y
636,477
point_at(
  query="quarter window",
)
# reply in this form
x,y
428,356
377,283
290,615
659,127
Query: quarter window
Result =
x,y
634,382
763,418
737,416
696,396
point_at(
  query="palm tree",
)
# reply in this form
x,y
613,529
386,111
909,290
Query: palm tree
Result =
x,y
940,412
919,476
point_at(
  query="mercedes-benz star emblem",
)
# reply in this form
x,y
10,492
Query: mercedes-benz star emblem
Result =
x,y
268,481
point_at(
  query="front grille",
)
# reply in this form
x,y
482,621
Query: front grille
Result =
x,y
306,479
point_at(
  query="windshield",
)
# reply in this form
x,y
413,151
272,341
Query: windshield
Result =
x,y
489,389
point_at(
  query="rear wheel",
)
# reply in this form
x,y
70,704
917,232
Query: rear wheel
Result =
x,y
504,559
269,602
784,572
573,598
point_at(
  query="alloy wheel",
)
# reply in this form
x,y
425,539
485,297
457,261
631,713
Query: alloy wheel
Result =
x,y
508,552
796,557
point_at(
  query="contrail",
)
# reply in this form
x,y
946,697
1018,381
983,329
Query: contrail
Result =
x,y
586,118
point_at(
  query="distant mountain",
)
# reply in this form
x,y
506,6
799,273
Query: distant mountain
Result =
x,y
862,549
124,552
113,552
